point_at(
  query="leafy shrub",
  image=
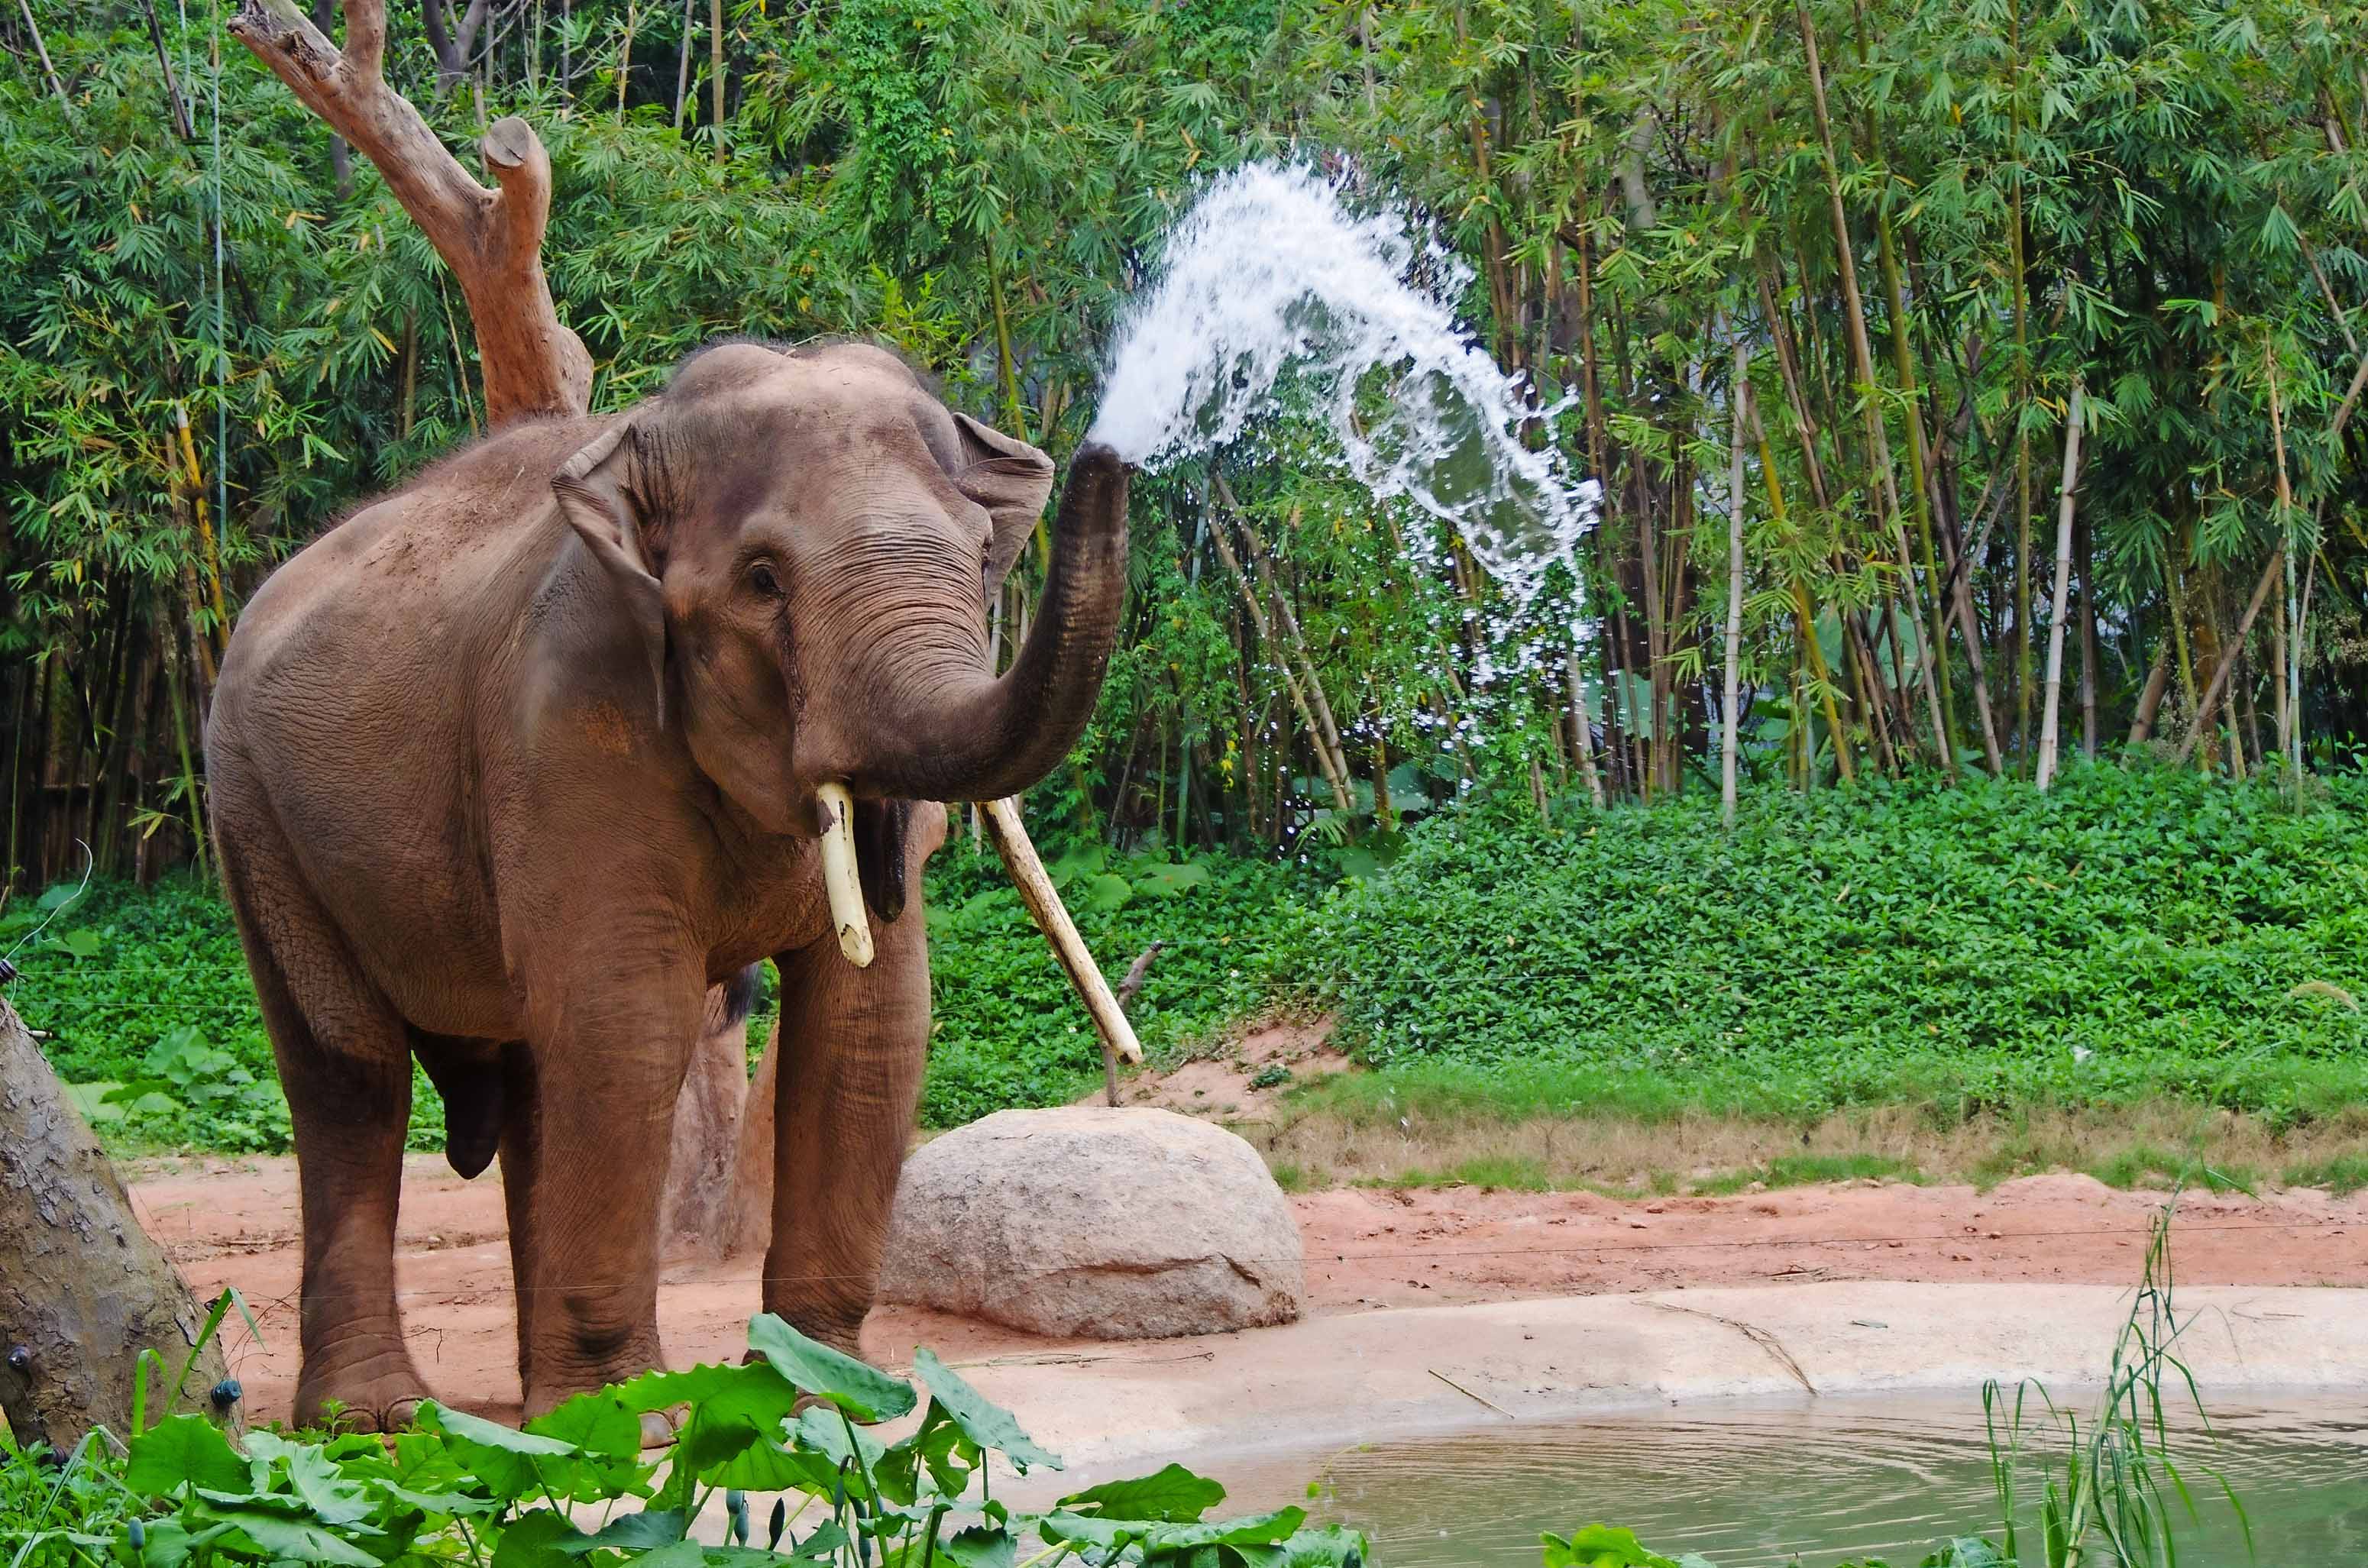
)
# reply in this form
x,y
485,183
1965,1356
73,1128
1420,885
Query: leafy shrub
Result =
x,y
2131,932
1009,1031
145,998
463,1489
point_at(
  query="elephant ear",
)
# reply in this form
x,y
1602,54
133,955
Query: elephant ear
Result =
x,y
1011,480
596,497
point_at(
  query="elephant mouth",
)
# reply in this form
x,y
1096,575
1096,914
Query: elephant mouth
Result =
x,y
864,864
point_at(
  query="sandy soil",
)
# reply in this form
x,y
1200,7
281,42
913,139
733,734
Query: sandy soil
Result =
x,y
235,1222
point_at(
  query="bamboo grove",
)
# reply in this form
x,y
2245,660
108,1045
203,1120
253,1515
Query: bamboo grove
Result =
x,y
1971,385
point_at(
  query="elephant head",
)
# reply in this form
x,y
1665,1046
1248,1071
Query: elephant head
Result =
x,y
807,541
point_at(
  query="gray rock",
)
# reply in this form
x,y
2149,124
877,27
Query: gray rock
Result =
x,y
1093,1222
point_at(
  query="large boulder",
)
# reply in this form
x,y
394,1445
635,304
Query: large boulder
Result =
x,y
1097,1223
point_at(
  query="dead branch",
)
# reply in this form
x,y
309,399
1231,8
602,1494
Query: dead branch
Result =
x,y
492,239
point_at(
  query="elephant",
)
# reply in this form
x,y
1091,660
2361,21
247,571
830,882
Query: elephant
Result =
x,y
510,765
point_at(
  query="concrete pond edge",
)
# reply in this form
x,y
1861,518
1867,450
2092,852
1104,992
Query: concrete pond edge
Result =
x,y
1117,1409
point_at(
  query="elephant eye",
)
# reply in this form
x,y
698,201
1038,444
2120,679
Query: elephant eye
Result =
x,y
761,578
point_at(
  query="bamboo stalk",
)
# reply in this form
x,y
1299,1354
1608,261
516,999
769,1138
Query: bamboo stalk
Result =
x,y
1582,737
1740,395
682,68
208,550
2291,742
1256,609
625,56
41,47
1293,637
1863,364
2063,586
1043,901
715,67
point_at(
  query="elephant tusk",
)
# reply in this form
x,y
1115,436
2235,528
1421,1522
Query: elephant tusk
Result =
x,y
839,877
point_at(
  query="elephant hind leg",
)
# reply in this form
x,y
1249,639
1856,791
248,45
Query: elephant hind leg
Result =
x,y
344,1063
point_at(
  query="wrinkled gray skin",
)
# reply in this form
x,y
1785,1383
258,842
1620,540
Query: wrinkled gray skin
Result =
x,y
511,765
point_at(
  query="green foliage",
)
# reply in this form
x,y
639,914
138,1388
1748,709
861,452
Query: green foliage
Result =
x,y
2161,205
2132,932
461,1489
152,1020
1009,1031
145,998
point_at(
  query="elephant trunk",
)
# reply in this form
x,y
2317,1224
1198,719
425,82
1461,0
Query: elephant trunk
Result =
x,y
996,737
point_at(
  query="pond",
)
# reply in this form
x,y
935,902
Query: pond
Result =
x,y
1823,1482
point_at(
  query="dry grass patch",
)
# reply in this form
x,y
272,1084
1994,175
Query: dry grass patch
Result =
x,y
2148,1144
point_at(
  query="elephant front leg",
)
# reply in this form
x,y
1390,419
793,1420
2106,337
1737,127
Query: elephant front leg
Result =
x,y
853,1043
606,1070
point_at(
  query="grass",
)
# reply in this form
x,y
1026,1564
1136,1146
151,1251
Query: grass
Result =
x,y
1436,1124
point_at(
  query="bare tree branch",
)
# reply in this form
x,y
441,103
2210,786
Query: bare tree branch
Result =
x,y
492,239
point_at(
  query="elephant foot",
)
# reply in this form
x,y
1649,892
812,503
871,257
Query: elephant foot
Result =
x,y
659,1426
368,1397
571,1372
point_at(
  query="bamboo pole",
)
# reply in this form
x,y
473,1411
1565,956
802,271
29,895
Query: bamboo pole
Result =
x,y
207,549
682,67
625,57
715,67
2063,588
2291,740
1257,611
41,47
1044,906
1740,395
1295,639
1862,365
1584,735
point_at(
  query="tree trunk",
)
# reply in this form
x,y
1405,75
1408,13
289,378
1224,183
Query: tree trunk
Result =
x,y
83,1290
696,1211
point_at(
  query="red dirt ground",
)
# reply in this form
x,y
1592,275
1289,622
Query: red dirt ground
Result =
x,y
235,1222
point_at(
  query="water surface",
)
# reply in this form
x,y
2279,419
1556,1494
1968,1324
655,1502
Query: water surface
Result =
x,y
1825,1480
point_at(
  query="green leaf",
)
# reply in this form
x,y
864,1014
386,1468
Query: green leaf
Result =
x,y
315,1477
537,1538
595,1423
681,1554
863,1391
1601,1545
980,1546
93,1101
649,1528
459,1427
1174,1493
183,1450
282,1536
1104,892
515,1464
984,1423
663,1391
1260,1529
1165,880
81,944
